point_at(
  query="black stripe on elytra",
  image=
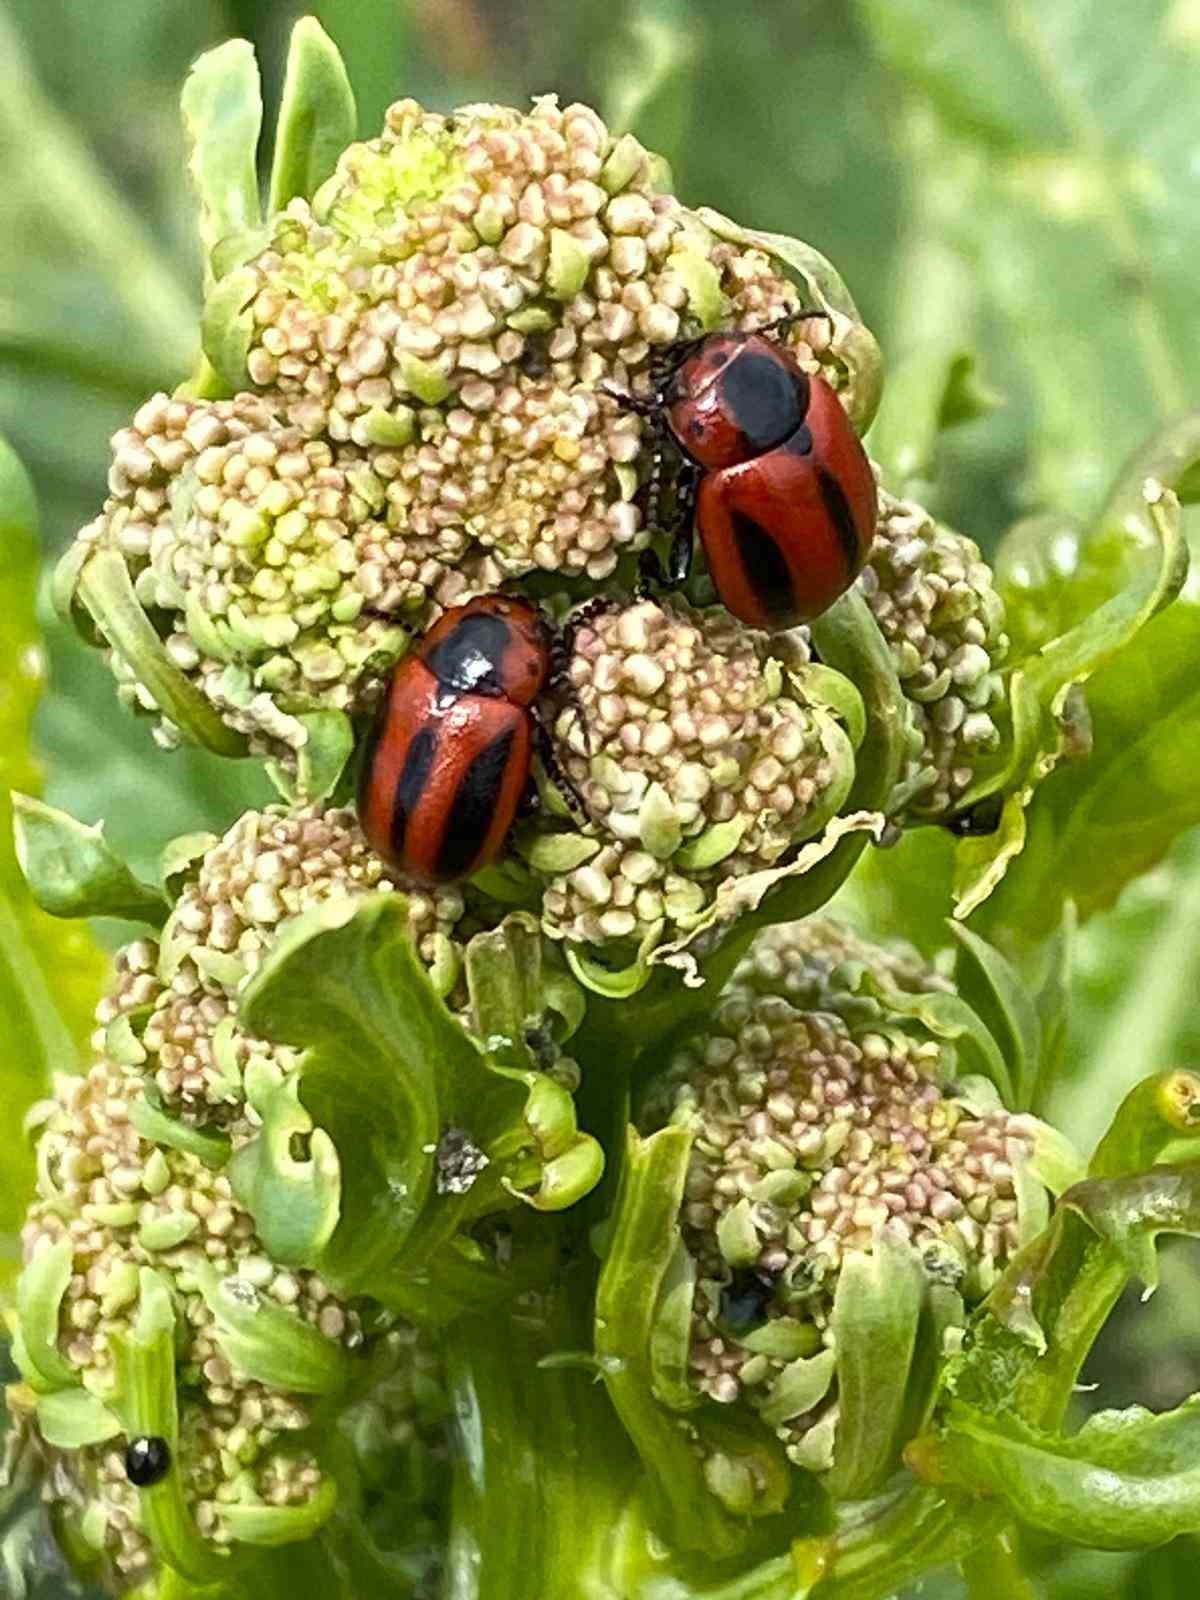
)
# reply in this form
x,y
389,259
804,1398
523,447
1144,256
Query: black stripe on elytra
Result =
x,y
765,398
414,775
838,509
764,565
468,659
474,806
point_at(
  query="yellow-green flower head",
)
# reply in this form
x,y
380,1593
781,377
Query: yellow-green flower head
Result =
x,y
822,1113
934,598
270,866
421,361
697,756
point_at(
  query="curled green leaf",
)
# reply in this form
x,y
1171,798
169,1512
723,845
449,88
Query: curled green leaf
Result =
x,y
317,115
1130,1481
181,859
1040,687
702,1477
876,1313
266,1341
70,1419
106,589
226,328
996,993
288,1176
146,1401
1156,1115
40,1291
328,745
263,1524
72,871
222,118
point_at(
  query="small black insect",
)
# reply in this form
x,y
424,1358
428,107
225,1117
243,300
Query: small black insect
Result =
x,y
745,1300
983,817
147,1461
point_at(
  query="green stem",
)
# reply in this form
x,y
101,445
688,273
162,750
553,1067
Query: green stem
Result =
x,y
107,591
543,1470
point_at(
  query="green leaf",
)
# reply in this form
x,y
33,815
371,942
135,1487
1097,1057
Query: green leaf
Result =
x,y
1046,184
317,117
1130,1212
1154,1118
1035,1329
388,1075
344,982
266,1341
271,1526
106,589
293,1198
71,870
641,1265
40,1291
222,118
876,1313
226,328
1128,1482
1097,824
1041,712
69,1419
145,1399
989,984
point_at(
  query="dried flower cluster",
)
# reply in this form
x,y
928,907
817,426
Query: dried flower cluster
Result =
x,y
424,411
822,1115
697,757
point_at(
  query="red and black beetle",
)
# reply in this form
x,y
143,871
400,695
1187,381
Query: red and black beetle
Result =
x,y
774,479
449,760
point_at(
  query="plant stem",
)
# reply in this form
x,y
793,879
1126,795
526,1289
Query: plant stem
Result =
x,y
543,1470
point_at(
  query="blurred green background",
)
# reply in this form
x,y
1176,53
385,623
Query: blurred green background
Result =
x,y
1011,189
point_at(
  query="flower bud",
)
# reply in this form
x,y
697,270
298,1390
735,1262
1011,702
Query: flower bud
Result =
x,y
822,1119
697,758
935,601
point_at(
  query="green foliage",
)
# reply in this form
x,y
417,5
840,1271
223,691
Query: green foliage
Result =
x,y
40,1027
1006,184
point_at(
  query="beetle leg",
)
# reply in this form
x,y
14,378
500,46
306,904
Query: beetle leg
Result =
x,y
641,405
564,646
784,325
679,563
544,745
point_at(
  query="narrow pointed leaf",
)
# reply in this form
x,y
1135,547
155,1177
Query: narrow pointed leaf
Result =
x,y
73,872
317,117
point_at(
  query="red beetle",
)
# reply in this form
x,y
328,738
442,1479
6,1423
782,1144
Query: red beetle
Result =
x,y
449,760
775,482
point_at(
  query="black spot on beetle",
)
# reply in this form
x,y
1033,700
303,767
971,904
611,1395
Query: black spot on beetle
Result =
x,y
764,565
473,806
767,399
414,775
